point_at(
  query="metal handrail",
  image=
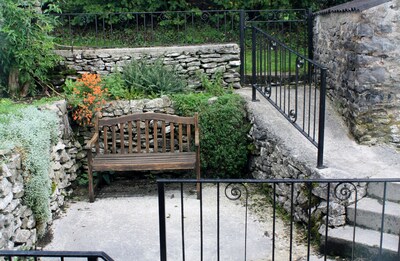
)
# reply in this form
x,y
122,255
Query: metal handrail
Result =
x,y
269,58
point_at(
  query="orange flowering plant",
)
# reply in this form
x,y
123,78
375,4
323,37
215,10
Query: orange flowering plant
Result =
x,y
86,96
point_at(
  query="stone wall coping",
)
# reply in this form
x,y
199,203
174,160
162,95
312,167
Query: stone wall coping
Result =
x,y
149,50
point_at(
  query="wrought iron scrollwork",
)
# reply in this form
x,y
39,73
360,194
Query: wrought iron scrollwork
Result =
x,y
205,16
293,115
344,190
163,16
233,191
299,62
268,90
273,45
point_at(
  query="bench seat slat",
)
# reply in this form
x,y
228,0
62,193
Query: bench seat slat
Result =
x,y
145,162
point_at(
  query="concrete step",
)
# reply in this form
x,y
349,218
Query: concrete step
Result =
x,y
369,215
392,190
366,244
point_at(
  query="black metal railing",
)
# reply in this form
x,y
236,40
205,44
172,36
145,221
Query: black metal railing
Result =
x,y
241,219
293,84
291,26
10,255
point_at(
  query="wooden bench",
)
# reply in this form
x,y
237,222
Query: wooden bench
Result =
x,y
144,141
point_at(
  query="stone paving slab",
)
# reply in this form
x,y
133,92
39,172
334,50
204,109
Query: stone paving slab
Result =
x,y
126,227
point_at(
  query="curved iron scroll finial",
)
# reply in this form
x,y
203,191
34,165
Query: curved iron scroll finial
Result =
x,y
299,62
344,190
268,90
233,191
292,115
273,45
205,16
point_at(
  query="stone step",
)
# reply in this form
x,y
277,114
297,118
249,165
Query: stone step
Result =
x,y
392,190
369,215
366,244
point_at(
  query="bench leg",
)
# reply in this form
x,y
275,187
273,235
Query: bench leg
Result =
x,y
90,181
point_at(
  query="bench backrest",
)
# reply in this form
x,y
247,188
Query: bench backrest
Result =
x,y
147,133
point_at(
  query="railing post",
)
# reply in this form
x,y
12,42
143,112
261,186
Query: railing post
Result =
x,y
253,62
242,45
321,124
161,220
310,26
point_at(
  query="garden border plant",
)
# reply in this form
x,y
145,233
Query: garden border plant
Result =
x,y
32,133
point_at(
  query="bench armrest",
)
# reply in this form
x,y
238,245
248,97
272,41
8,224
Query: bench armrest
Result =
x,y
92,141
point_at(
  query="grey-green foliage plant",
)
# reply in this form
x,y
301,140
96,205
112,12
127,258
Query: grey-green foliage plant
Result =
x,y
26,47
152,78
33,131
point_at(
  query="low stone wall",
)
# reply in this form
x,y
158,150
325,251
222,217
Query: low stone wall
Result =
x,y
18,226
361,52
188,61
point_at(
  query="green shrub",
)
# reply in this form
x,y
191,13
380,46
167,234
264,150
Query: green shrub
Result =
x,y
153,79
33,132
116,86
26,49
223,132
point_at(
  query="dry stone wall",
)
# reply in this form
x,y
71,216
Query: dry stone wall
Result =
x,y
18,227
188,61
361,52
271,159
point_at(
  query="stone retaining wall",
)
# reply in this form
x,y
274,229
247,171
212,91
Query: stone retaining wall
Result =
x,y
270,159
189,61
17,223
361,52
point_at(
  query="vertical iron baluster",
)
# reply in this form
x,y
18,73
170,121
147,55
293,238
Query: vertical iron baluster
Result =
x,y
97,29
296,88
309,184
260,59
291,222
253,62
273,222
276,71
309,99
314,76
201,221
218,225
304,95
327,222
242,46
321,122
290,79
70,31
382,219
245,228
161,220
353,245
104,31
184,19
137,23
182,224
152,27
225,22
280,76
